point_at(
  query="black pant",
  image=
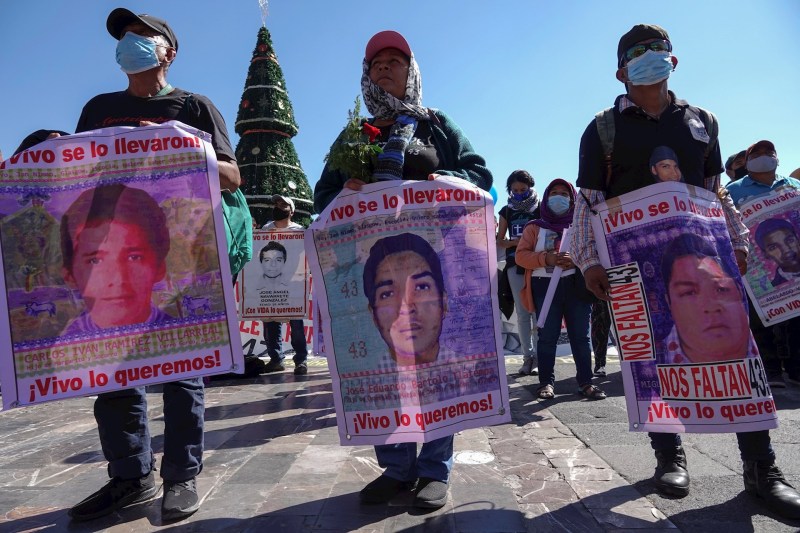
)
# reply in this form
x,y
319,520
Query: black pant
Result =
x,y
601,327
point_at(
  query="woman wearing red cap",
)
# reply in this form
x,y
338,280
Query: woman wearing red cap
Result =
x,y
418,143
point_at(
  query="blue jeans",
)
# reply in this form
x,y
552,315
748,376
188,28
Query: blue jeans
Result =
x,y
576,315
125,438
753,445
401,462
526,322
272,334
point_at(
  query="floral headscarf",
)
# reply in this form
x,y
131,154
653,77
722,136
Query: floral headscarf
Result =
x,y
385,106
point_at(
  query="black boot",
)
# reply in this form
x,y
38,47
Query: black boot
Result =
x,y
671,476
766,481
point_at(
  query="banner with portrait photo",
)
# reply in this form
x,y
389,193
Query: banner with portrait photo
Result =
x,y
679,312
111,243
274,284
405,279
773,265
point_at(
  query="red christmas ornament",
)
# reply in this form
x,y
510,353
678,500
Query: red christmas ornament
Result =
x,y
245,104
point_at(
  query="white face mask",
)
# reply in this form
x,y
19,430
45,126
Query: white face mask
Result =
x,y
762,163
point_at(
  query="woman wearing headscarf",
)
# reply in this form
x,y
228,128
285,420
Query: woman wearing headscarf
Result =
x,y
538,253
419,143
523,206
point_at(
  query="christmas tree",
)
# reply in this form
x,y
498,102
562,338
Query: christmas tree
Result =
x,y
265,123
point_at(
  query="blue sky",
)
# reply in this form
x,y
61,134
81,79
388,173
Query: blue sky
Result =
x,y
522,78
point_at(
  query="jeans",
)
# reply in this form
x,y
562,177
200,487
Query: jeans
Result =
x,y
753,445
576,314
272,334
125,437
526,322
401,462
601,327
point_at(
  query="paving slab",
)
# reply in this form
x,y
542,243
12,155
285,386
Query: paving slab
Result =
x,y
273,462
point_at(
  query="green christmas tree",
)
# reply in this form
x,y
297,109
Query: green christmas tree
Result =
x,y
265,123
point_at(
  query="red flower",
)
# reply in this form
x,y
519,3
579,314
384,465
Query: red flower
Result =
x,y
370,131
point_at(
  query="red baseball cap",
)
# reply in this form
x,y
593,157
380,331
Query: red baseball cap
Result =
x,y
386,39
761,144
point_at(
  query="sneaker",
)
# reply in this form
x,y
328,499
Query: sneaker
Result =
x,y
431,493
527,367
274,365
116,494
383,489
253,366
775,380
600,371
300,369
180,499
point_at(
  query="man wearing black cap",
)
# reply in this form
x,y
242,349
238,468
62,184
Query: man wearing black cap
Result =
x,y
614,159
735,166
147,47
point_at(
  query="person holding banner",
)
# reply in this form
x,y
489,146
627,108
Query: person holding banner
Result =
x,y
146,48
614,158
523,206
284,209
419,144
777,239
538,254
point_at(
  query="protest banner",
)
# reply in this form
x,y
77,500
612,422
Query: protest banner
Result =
x,y
252,333
407,291
111,243
274,284
679,312
773,264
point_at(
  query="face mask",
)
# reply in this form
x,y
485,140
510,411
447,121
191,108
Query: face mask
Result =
x,y
558,204
519,197
739,173
649,68
136,54
762,163
279,214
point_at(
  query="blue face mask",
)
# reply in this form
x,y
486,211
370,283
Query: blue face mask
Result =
x,y
136,54
649,68
521,196
558,204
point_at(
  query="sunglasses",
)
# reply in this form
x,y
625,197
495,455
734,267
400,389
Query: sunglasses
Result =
x,y
639,49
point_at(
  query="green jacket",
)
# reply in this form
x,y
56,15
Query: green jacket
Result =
x,y
456,155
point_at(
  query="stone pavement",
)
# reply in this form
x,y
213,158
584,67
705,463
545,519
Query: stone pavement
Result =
x,y
273,463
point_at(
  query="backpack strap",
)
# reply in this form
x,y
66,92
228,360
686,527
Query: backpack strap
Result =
x,y
606,130
184,110
712,128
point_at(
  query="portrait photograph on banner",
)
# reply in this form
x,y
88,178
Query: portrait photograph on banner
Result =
x,y
680,313
404,281
275,283
773,264
111,245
